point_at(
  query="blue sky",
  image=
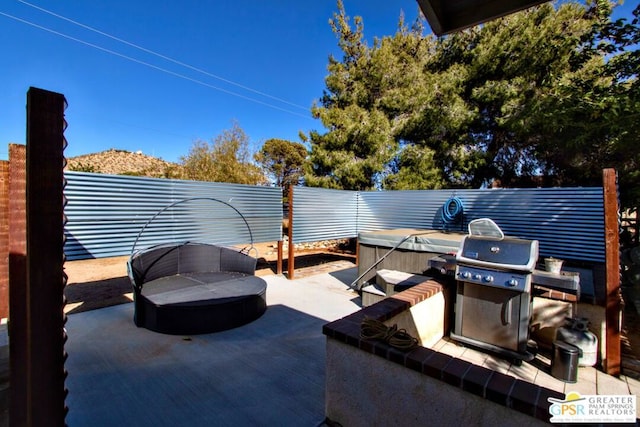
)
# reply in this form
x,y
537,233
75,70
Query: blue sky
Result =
x,y
279,48
259,63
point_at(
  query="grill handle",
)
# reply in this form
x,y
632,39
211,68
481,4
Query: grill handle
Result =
x,y
506,312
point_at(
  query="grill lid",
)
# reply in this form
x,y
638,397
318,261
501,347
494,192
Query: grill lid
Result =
x,y
485,227
508,253
486,246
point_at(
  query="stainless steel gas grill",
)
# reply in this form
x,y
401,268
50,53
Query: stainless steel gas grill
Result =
x,y
493,298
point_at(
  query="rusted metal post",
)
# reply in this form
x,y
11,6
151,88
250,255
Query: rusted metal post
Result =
x,y
4,240
613,308
279,262
18,349
43,333
290,252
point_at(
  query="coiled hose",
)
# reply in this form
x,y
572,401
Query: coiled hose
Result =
x,y
452,209
371,329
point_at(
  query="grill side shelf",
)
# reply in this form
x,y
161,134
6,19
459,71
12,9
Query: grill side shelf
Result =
x,y
565,282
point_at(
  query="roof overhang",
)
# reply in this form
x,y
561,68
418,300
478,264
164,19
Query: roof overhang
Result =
x,y
447,16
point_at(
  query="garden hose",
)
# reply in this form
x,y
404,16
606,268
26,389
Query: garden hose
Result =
x,y
372,329
452,209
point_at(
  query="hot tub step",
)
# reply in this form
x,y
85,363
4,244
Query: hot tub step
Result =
x,y
392,281
371,294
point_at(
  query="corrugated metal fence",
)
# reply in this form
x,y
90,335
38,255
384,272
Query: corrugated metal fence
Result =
x,y
106,213
568,222
321,214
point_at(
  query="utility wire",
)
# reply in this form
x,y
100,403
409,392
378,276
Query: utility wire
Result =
x,y
155,67
159,55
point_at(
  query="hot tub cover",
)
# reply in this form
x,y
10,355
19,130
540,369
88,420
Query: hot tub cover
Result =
x,y
436,241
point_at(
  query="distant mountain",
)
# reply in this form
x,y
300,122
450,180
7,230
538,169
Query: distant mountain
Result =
x,y
122,162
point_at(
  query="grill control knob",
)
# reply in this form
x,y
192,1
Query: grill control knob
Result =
x,y
478,277
512,282
466,275
488,278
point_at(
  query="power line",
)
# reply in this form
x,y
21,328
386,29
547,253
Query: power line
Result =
x,y
164,70
159,55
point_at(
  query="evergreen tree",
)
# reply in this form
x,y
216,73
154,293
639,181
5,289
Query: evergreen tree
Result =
x,y
360,143
547,96
283,161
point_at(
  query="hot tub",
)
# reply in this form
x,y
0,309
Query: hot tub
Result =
x,y
414,249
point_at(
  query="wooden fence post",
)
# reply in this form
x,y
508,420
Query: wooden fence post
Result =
x,y
279,262
290,252
613,304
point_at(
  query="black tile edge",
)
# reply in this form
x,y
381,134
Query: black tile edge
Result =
x,y
455,371
349,324
327,329
434,365
367,345
353,338
476,379
390,307
381,349
542,404
343,330
415,359
397,355
524,396
499,388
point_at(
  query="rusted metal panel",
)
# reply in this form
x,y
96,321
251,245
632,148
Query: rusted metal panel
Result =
x,y
613,307
18,350
45,258
4,239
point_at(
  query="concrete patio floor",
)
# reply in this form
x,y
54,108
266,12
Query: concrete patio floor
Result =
x,y
269,372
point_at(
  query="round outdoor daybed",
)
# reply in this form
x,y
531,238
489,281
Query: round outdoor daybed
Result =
x,y
195,288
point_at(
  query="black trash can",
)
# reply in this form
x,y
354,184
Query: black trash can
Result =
x,y
564,361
